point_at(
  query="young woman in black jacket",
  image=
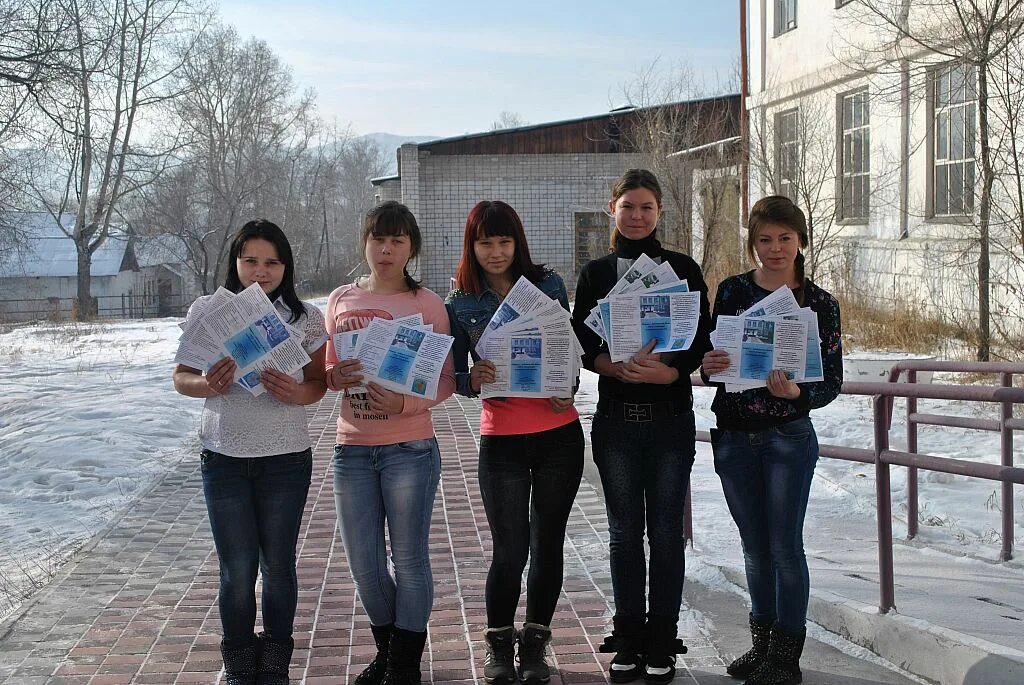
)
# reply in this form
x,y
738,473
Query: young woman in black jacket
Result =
x,y
643,441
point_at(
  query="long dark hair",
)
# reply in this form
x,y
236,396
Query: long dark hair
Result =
x,y
269,231
392,218
631,180
494,218
779,210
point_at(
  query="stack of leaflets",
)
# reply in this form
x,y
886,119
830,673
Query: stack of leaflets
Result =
x,y
403,355
247,328
776,333
533,348
648,303
345,342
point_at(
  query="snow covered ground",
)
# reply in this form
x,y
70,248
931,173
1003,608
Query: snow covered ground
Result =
x,y
89,418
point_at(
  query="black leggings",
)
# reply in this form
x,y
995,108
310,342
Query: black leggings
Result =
x,y
549,466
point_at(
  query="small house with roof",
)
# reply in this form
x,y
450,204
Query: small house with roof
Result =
x,y
39,278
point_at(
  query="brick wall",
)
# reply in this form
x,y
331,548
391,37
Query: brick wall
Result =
x,y
546,191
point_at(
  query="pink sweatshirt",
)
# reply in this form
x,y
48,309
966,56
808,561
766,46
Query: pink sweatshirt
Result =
x,y
351,308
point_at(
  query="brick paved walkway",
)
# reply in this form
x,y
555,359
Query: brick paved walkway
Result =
x,y
140,605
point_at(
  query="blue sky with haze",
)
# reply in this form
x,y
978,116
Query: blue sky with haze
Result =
x,y
448,67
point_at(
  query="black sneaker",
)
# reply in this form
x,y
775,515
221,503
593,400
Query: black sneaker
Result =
x,y
625,667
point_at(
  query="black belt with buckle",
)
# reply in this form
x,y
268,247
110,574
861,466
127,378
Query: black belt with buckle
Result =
x,y
640,412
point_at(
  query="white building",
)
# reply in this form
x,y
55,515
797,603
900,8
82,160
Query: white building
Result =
x,y
882,152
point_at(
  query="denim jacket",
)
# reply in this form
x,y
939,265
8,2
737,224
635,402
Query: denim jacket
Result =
x,y
469,315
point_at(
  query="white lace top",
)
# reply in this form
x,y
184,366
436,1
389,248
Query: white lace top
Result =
x,y
240,425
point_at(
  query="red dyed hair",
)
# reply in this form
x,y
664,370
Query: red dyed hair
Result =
x,y
490,218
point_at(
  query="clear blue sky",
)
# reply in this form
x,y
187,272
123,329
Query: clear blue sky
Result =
x,y
448,67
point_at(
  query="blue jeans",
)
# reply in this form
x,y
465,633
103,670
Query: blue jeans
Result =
x,y
528,483
645,471
393,484
255,507
766,477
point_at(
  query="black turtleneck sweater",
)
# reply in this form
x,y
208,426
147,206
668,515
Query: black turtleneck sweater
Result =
x,y
598,277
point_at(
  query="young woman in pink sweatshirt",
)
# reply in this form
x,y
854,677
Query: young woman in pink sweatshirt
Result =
x,y
387,463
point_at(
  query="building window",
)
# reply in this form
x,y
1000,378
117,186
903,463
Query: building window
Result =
x,y
787,153
592,231
954,102
785,16
855,156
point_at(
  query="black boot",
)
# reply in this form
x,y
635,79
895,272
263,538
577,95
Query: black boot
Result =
x,y
275,656
626,641
660,648
404,656
374,673
499,661
782,667
533,640
743,666
240,663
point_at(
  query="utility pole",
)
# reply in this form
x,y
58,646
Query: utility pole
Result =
x,y
744,124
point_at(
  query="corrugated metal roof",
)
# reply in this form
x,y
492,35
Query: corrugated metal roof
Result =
x,y
50,253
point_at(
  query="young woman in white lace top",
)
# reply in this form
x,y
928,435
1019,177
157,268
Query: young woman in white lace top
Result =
x,y
257,463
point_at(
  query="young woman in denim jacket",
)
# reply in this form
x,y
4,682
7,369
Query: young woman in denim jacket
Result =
x,y
643,438
531,450
766,450
257,464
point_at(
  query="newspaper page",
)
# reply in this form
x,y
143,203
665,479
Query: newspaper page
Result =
x,y
520,302
780,303
661,279
635,320
250,331
640,268
813,370
535,352
541,357
531,364
345,343
757,345
403,358
196,347
219,297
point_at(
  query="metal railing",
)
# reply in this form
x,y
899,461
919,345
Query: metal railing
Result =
x,y
883,394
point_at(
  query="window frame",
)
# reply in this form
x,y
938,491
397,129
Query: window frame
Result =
x,y
939,191
786,183
864,174
780,27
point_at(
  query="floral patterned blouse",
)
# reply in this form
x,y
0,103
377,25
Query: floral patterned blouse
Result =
x,y
757,409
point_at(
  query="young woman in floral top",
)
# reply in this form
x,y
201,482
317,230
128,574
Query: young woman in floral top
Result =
x,y
766,450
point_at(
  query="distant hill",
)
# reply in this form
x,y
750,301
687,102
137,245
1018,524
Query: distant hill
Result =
x,y
389,143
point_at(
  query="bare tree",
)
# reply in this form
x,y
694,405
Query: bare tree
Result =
x,y
246,125
792,150
973,35
688,139
118,70
508,120
33,42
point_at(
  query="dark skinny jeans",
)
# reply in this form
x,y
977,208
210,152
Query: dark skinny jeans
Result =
x,y
645,472
528,483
